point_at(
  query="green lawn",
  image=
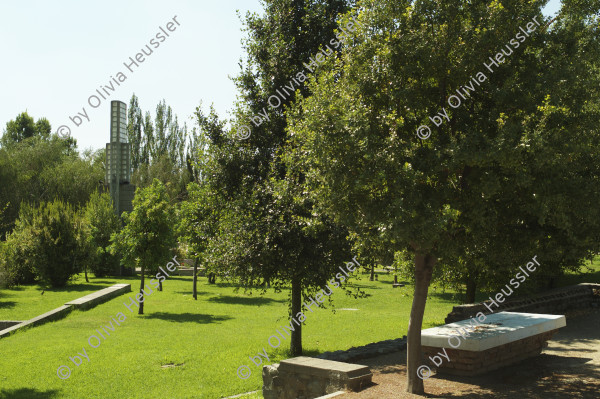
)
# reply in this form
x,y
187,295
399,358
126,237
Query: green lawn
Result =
x,y
25,302
209,338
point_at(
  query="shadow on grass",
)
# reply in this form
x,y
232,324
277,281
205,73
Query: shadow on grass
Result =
x,y
585,277
187,317
190,292
355,285
179,278
309,353
16,288
447,296
235,300
72,288
27,393
7,304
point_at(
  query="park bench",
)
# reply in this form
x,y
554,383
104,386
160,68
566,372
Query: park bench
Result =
x,y
501,339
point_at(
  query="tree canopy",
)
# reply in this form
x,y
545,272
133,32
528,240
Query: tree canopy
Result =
x,y
499,175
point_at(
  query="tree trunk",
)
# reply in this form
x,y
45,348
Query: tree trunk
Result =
x,y
296,339
372,272
195,292
85,270
141,309
423,269
160,285
471,288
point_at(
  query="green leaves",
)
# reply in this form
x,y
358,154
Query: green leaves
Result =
x,y
44,243
474,190
101,222
148,238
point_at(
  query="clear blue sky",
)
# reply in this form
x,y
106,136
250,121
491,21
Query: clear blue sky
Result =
x,y
56,54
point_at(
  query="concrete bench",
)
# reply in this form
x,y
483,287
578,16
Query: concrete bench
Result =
x,y
307,378
501,339
103,295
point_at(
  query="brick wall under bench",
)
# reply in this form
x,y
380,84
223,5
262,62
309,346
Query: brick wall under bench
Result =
x,y
471,363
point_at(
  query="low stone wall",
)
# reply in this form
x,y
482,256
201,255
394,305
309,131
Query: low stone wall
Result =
x,y
82,303
100,296
555,301
54,314
4,324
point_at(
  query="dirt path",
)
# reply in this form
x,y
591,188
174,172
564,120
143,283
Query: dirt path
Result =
x,y
568,368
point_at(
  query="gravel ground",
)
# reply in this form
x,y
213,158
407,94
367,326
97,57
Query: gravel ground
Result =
x,y
568,368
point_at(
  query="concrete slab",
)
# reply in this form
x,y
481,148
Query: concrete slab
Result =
x,y
307,377
103,295
322,368
497,329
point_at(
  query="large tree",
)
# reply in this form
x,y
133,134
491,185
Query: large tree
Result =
x,y
100,222
499,176
264,230
37,169
23,127
159,148
147,240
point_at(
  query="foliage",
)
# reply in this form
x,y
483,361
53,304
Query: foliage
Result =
x,y
148,238
262,229
39,170
493,185
24,127
101,222
162,168
45,244
160,148
19,266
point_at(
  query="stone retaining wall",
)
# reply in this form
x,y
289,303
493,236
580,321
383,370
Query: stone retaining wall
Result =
x,y
8,323
555,301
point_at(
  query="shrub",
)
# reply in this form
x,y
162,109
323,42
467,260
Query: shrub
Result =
x,y
100,223
17,265
4,279
45,241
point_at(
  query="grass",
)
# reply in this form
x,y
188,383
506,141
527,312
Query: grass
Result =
x,y
25,302
207,340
